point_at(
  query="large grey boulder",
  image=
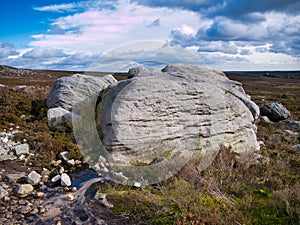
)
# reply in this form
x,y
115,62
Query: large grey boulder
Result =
x,y
275,111
67,90
182,111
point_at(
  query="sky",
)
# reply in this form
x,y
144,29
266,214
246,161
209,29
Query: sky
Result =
x,y
219,34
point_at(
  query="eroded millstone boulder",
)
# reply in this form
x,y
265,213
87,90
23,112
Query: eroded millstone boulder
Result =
x,y
67,90
181,111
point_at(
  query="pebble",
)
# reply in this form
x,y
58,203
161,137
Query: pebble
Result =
x,y
24,190
296,147
34,178
101,197
21,149
40,194
3,192
70,197
45,172
55,178
74,189
71,162
65,180
61,170
64,155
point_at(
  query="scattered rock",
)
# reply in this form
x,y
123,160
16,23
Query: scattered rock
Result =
x,y
296,147
34,178
45,171
101,197
70,197
71,162
293,124
20,87
266,119
74,189
3,192
67,90
24,189
275,111
137,184
64,155
40,194
291,132
15,177
21,149
65,180
55,178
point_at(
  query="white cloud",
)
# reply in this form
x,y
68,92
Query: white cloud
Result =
x,y
101,30
147,53
7,50
56,8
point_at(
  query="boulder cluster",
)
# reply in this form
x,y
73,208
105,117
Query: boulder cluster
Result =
x,y
182,111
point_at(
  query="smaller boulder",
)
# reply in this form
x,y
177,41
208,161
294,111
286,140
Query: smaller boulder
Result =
x,y
293,124
22,149
24,190
34,178
275,111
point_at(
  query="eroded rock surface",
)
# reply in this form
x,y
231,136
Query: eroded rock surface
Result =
x,y
179,111
67,90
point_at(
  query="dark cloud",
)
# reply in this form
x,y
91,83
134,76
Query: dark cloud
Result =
x,y
235,9
7,49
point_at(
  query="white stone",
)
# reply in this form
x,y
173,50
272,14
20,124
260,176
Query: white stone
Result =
x,y
21,149
3,192
71,162
34,178
64,155
55,178
65,180
137,184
